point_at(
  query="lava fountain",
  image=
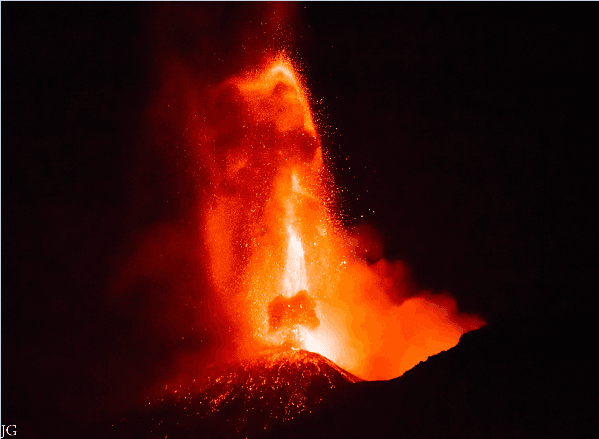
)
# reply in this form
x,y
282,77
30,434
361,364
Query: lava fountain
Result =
x,y
305,314
284,268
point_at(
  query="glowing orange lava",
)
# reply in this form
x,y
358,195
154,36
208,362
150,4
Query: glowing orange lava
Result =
x,y
284,267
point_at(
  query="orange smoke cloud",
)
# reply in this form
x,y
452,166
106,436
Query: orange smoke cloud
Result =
x,y
381,327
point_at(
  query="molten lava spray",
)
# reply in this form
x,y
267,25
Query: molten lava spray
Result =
x,y
286,272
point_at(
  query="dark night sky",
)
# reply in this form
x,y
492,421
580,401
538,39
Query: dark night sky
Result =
x,y
468,128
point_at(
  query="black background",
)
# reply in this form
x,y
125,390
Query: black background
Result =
x,y
469,129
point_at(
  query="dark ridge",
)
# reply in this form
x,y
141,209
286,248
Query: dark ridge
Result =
x,y
510,380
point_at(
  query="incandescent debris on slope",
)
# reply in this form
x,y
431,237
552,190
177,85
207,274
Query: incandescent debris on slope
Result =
x,y
239,400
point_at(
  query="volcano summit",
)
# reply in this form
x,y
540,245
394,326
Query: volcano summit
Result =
x,y
241,399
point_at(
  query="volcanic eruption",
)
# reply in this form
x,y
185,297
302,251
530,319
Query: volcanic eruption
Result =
x,y
307,315
286,270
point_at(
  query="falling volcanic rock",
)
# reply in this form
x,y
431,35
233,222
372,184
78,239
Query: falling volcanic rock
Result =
x,y
240,400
